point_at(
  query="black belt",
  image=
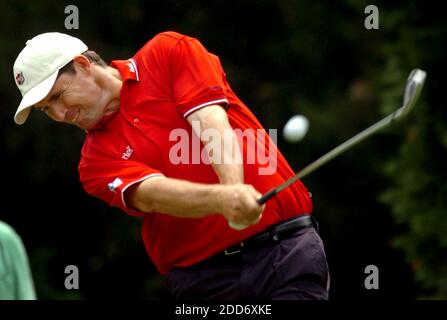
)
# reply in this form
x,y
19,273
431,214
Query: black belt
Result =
x,y
274,233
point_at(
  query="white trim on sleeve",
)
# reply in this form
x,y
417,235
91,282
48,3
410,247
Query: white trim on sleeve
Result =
x,y
153,175
204,105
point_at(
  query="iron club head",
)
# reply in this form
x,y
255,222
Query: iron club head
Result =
x,y
413,89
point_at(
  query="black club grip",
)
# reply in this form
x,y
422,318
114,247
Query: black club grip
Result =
x,y
267,196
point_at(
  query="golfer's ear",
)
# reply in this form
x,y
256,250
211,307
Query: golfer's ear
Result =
x,y
82,62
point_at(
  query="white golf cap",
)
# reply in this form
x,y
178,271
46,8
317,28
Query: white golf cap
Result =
x,y
37,66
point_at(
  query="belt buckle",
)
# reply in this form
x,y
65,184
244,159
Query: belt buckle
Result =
x,y
229,252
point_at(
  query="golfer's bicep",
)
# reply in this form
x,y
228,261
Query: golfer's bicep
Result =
x,y
209,117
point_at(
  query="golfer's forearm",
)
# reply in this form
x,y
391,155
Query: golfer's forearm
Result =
x,y
175,197
210,124
229,174
231,170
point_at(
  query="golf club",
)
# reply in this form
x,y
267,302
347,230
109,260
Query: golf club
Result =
x,y
413,89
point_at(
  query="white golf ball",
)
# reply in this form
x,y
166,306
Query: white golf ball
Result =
x,y
296,128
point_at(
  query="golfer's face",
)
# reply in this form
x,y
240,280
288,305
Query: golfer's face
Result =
x,y
78,99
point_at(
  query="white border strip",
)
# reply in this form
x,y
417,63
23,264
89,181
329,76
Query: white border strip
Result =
x,y
204,105
139,180
136,70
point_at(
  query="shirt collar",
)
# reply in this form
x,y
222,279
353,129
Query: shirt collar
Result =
x,y
127,68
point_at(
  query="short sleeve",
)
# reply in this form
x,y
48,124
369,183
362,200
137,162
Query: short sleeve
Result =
x,y
108,179
197,76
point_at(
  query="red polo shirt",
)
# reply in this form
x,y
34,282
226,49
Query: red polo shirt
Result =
x,y
168,79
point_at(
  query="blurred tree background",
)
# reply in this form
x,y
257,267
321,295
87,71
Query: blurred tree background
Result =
x,y
383,203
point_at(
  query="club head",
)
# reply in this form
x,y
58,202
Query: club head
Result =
x,y
413,89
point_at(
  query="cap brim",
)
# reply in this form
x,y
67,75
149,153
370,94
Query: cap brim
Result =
x,y
32,97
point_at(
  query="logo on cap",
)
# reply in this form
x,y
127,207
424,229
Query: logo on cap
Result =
x,y
20,79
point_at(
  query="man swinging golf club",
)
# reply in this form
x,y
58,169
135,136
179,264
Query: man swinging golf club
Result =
x,y
133,112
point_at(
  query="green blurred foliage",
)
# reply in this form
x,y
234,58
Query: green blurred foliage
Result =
x,y
418,194
382,203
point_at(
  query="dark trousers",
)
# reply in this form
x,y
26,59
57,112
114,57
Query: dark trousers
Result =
x,y
292,268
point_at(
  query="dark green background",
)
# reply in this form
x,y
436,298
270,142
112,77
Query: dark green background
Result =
x,y
382,203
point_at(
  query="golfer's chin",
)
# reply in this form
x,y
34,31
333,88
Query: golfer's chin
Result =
x,y
84,126
87,123
90,124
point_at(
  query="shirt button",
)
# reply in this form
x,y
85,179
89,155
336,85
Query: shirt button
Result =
x,y
136,120
275,238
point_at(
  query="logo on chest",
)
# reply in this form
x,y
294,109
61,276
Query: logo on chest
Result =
x,y
127,153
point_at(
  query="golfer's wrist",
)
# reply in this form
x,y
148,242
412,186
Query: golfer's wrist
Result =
x,y
218,196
